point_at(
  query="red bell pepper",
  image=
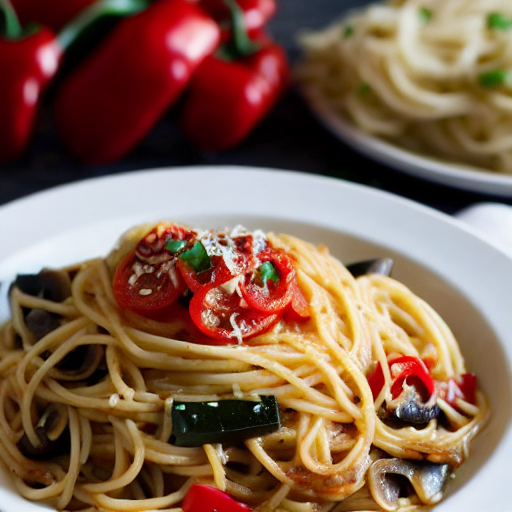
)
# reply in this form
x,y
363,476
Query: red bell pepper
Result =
x,y
110,102
228,99
404,370
203,498
464,388
233,90
28,62
51,13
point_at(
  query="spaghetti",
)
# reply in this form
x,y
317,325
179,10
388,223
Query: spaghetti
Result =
x,y
428,75
369,380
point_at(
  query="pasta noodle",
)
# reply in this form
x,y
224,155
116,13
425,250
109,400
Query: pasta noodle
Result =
x,y
338,432
429,75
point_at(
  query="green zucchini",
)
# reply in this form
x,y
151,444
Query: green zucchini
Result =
x,y
223,421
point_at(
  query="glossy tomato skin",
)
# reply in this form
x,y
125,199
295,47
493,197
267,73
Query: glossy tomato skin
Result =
x,y
271,297
152,293
214,311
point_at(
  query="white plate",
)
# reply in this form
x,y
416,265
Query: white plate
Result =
x,y
467,280
460,176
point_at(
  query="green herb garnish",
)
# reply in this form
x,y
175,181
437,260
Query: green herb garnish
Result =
x,y
364,90
197,257
425,14
498,21
349,31
494,78
267,271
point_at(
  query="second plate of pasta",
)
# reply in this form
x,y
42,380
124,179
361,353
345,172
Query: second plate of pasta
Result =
x,y
422,87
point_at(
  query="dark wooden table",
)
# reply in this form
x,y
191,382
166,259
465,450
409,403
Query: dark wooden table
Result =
x,y
289,138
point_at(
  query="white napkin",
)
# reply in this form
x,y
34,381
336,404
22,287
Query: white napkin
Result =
x,y
493,221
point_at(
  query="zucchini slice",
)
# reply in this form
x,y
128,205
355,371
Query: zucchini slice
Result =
x,y
223,421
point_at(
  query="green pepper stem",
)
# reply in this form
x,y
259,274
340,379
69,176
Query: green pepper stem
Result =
x,y
72,31
12,25
242,44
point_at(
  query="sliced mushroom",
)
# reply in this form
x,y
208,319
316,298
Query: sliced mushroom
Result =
x,y
54,285
409,408
381,266
41,322
52,432
426,479
79,364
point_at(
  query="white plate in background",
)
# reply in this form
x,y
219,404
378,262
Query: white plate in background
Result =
x,y
461,275
461,176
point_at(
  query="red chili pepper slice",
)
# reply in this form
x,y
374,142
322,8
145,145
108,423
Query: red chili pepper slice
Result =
x,y
270,296
149,292
376,380
220,315
404,370
463,388
28,62
410,370
228,99
111,101
203,498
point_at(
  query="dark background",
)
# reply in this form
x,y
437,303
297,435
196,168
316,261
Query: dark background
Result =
x,y
289,138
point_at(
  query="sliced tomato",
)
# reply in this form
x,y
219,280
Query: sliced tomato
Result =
x,y
154,243
218,273
146,289
269,296
220,315
298,309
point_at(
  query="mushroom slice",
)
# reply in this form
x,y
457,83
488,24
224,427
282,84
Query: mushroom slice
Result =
x,y
41,322
52,432
54,285
426,478
381,266
409,408
79,364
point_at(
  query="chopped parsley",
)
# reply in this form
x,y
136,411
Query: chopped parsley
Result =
x,y
425,14
498,21
348,31
494,78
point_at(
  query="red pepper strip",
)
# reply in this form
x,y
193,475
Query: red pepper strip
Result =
x,y
376,380
410,370
271,297
202,498
256,14
463,388
228,99
110,102
27,65
404,369
51,13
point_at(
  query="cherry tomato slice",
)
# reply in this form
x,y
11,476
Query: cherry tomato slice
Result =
x,y
298,309
148,290
218,273
271,296
220,315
